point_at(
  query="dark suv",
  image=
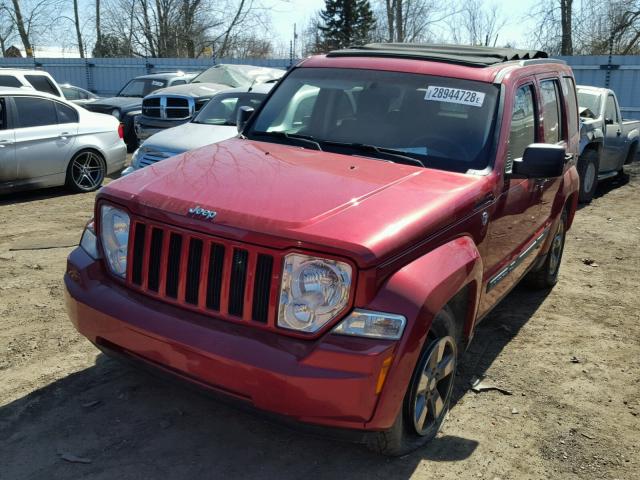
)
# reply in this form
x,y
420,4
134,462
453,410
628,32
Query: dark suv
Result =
x,y
128,102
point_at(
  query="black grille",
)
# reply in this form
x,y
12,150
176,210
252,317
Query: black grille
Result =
x,y
155,257
193,271
238,281
151,107
177,102
209,275
173,265
262,288
138,253
214,279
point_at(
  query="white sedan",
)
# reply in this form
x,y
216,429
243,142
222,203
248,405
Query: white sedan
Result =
x,y
46,141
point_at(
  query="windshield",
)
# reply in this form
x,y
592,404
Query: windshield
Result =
x,y
141,87
222,109
438,122
590,100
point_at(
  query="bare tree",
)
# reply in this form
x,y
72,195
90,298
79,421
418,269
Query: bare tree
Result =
x,y
22,30
76,21
7,29
412,20
476,24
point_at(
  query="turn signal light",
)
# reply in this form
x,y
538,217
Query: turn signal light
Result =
x,y
121,130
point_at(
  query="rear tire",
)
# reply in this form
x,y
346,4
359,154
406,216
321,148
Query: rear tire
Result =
x,y
86,171
588,167
547,275
631,154
428,397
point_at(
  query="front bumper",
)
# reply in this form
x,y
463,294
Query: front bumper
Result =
x,y
329,381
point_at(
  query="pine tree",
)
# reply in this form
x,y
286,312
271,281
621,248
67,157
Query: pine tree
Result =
x,y
345,23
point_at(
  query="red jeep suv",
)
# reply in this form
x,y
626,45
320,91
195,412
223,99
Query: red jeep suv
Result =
x,y
330,263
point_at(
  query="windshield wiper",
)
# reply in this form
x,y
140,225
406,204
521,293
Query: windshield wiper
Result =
x,y
389,153
303,139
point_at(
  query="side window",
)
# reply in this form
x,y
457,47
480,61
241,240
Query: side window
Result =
x,y
35,112
610,111
66,114
523,124
70,93
551,111
9,81
569,93
42,83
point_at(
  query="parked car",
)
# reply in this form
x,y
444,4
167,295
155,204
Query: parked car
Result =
x,y
332,265
30,79
78,95
607,141
215,122
128,102
46,141
174,106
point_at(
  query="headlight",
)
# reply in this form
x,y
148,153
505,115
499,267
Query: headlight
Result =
x,y
88,242
134,158
116,113
313,292
114,233
364,323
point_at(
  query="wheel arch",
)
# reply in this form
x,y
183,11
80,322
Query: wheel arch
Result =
x,y
450,275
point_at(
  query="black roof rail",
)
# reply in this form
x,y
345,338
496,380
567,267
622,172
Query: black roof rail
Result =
x,y
456,54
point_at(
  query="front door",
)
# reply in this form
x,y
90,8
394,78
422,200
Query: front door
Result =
x,y
8,165
614,141
515,213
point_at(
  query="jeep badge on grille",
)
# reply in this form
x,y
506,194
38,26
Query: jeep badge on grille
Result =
x,y
202,212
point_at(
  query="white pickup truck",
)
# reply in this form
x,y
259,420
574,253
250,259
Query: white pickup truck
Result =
x,y
607,142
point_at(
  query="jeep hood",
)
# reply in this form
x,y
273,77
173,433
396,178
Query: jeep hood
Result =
x,y
287,196
188,136
195,90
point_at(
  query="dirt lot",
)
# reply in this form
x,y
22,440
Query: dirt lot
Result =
x,y
570,359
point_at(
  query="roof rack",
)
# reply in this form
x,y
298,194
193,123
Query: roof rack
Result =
x,y
458,54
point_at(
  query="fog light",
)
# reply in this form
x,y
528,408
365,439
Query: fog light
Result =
x,y
365,323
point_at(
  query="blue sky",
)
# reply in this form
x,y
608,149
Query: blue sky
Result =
x,y
287,12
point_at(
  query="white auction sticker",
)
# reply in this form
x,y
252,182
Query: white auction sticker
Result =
x,y
454,95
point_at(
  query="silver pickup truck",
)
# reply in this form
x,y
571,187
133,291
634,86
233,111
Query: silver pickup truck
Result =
x,y
607,142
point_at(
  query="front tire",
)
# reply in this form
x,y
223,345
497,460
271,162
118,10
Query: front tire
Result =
x,y
428,397
588,167
86,171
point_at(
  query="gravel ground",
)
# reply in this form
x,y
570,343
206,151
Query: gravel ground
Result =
x,y
569,359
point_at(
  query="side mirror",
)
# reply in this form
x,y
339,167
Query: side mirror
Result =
x,y
608,121
243,116
540,160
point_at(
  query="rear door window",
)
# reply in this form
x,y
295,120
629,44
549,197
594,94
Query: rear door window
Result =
x,y
9,81
42,83
551,111
523,124
35,112
569,91
71,93
66,114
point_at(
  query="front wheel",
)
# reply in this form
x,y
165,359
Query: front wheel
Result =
x,y
588,166
428,397
86,172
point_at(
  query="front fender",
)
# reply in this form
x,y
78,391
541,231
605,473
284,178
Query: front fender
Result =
x,y
419,291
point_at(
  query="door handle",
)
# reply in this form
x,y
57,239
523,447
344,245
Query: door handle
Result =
x,y
568,157
64,135
619,132
5,142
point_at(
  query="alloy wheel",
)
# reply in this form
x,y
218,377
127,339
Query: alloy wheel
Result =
x,y
589,177
555,253
87,171
431,397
